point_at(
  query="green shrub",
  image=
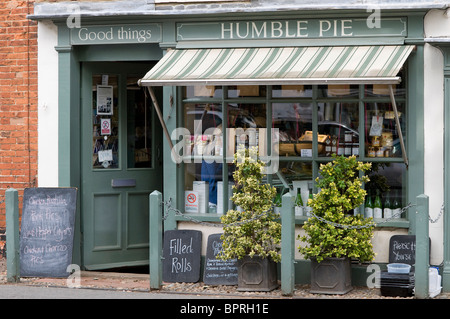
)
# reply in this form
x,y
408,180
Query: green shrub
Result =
x,y
340,192
254,230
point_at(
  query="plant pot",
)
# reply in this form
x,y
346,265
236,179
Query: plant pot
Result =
x,y
331,276
257,274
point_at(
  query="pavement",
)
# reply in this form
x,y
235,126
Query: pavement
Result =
x,y
114,285
120,285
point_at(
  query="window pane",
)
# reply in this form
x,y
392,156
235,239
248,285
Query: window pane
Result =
x,y
382,90
139,128
294,121
291,91
382,139
204,176
338,129
387,181
105,121
244,124
202,91
338,91
298,176
203,124
246,91
203,140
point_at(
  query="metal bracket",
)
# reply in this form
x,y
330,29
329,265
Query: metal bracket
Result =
x,y
399,128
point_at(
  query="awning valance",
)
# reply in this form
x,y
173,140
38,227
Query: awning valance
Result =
x,y
280,65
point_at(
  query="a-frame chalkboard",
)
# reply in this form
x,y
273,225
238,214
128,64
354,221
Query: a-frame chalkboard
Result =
x,y
47,231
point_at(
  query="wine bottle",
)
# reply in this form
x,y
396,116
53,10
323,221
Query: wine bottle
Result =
x,y
387,210
277,203
377,207
397,206
298,203
308,207
368,206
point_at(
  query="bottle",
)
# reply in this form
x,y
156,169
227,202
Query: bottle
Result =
x,y
298,203
334,144
277,202
377,207
308,207
387,211
396,207
368,206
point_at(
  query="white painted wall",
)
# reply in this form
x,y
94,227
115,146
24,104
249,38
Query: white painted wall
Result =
x,y
47,105
437,24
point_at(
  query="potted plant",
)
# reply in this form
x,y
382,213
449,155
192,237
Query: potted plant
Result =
x,y
253,233
334,235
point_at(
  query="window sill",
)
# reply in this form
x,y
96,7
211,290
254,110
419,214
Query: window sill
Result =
x,y
397,223
299,220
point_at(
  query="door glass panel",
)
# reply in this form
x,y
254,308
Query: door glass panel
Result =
x,y
105,122
139,128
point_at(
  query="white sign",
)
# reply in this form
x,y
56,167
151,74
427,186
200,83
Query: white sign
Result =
x,y
105,126
104,156
104,100
191,202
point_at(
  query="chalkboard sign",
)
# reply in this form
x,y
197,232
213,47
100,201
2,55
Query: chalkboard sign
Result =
x,y
47,230
402,249
218,272
182,253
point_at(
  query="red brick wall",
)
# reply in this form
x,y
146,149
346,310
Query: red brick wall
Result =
x,y
18,99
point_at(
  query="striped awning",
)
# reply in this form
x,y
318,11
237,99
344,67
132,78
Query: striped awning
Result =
x,y
281,65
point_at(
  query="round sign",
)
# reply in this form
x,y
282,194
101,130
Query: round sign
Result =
x,y
191,198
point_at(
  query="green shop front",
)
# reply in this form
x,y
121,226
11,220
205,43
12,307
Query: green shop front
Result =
x,y
141,97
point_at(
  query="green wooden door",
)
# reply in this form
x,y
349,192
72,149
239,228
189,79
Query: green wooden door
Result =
x,y
121,145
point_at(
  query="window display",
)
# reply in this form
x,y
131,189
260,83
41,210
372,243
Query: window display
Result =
x,y
309,125
382,138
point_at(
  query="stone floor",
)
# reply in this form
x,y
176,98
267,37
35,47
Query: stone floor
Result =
x,y
135,282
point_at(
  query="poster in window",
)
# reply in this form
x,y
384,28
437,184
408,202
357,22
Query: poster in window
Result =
x,y
104,100
105,125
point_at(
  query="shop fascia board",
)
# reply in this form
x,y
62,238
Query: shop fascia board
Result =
x,y
62,10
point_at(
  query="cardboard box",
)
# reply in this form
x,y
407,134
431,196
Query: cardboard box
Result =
x,y
202,188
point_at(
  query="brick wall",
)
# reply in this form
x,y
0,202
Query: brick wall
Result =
x,y
18,99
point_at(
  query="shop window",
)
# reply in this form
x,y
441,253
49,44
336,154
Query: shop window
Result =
x,y
309,123
387,182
